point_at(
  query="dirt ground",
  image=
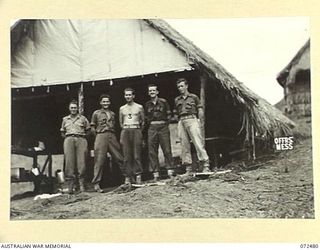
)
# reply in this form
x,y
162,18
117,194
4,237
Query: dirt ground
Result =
x,y
264,190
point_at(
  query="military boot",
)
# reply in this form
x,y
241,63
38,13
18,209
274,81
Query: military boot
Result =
x,y
206,166
206,169
98,189
139,179
127,180
170,173
155,176
188,170
82,185
70,186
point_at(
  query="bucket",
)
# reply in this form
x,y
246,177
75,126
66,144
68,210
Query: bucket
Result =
x,y
60,176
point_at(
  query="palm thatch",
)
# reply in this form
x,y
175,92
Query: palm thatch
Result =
x,y
282,76
265,118
295,79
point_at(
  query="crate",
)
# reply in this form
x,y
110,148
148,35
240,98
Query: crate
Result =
x,y
18,174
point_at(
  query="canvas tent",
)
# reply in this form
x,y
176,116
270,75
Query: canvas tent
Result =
x,y
54,61
295,80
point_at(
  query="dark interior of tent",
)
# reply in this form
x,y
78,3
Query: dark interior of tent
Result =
x,y
37,112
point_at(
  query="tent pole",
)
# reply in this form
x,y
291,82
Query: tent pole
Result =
x,y
81,99
203,83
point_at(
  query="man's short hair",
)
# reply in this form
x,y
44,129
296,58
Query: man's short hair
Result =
x,y
182,80
104,96
152,85
73,102
129,89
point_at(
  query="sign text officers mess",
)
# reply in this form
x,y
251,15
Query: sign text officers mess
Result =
x,y
284,143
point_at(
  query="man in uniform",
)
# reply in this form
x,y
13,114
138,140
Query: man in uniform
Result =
x,y
158,115
131,117
103,127
189,109
73,129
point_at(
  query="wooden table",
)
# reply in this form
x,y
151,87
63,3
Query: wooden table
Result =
x,y
34,154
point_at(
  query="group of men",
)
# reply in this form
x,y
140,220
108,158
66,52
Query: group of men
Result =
x,y
133,118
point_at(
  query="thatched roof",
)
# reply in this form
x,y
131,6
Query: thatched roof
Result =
x,y
265,117
282,76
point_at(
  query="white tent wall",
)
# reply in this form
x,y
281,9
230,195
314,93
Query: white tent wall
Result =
x,y
67,51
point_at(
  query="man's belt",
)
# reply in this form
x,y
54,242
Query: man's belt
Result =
x,y
106,131
75,135
184,117
131,126
157,122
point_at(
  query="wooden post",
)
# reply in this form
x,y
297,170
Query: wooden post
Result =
x,y
81,99
248,139
253,144
203,83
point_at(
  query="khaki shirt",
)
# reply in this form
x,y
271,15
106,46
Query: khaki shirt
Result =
x,y
103,120
159,111
188,105
75,125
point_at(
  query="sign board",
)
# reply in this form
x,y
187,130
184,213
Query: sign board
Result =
x,y
283,143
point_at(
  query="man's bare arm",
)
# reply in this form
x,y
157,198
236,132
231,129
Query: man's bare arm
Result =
x,y
121,118
142,118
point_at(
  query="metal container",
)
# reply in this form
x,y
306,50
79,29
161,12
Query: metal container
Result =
x,y
60,176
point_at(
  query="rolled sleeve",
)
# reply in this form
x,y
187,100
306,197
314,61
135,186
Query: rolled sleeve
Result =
x,y
86,124
198,102
94,120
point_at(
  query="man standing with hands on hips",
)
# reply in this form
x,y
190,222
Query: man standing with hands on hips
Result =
x,y
75,146
158,115
189,109
131,118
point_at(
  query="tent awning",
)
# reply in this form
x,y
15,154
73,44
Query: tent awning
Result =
x,y
52,52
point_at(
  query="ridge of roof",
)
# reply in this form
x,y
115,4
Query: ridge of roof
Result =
x,y
283,74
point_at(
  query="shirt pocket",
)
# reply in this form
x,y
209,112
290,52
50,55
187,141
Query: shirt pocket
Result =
x,y
160,108
150,109
80,124
190,104
179,104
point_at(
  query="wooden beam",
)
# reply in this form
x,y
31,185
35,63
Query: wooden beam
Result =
x,y
81,99
248,137
203,83
253,144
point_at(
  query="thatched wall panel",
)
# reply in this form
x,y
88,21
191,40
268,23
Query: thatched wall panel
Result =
x,y
301,109
299,98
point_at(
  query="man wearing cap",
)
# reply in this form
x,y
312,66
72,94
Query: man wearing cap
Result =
x,y
131,118
158,114
73,129
189,109
103,126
